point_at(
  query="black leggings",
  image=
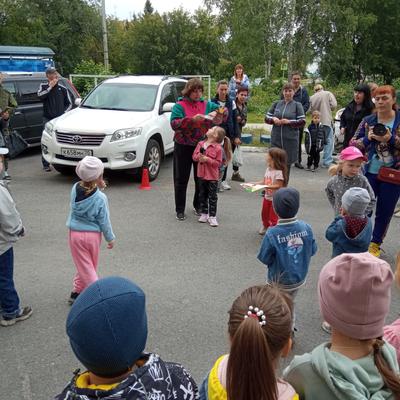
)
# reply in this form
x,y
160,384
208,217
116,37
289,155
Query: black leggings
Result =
x,y
208,197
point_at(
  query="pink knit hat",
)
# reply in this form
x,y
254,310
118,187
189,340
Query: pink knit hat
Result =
x,y
354,294
352,153
89,168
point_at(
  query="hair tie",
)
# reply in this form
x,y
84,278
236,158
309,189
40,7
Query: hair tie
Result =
x,y
255,312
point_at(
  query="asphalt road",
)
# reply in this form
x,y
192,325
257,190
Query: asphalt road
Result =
x,y
190,272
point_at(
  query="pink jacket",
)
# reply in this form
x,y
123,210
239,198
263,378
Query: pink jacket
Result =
x,y
209,170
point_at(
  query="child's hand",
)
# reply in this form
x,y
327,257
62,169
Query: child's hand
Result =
x,y
198,117
110,245
203,159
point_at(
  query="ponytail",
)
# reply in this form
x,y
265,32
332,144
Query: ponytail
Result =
x,y
250,371
88,186
227,149
391,379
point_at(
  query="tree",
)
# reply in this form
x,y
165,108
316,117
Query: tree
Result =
x,y
148,8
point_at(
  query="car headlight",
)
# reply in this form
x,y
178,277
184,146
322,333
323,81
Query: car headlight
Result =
x,y
122,134
49,128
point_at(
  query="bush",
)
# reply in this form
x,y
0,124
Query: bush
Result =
x,y
89,67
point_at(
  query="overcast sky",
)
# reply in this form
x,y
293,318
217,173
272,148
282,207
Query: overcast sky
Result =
x,y
124,9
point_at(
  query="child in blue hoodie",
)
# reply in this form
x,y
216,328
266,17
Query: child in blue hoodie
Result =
x,y
287,247
89,217
351,231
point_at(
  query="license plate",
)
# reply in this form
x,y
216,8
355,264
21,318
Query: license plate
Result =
x,y
76,153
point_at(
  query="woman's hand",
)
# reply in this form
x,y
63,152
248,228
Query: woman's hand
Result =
x,y
198,117
382,139
237,141
285,121
277,121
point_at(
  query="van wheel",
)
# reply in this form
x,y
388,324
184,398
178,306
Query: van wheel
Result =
x,y
64,169
152,159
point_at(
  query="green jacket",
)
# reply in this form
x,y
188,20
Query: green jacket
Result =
x,y
7,101
327,375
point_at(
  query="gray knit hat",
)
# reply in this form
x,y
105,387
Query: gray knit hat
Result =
x,y
355,201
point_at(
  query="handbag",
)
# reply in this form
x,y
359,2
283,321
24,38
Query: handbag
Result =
x,y
389,175
15,143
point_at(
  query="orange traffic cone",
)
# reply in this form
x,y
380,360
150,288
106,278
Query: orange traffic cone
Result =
x,y
145,185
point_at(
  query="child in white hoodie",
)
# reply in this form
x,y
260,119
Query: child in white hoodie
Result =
x,y
11,229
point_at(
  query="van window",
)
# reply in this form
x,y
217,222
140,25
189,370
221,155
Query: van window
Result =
x,y
9,86
28,91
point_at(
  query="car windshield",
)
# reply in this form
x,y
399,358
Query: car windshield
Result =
x,y
122,96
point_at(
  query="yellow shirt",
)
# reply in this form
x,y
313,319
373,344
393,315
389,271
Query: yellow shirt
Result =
x,y
82,382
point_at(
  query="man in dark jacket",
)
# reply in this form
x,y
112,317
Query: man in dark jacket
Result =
x,y
231,128
300,95
56,101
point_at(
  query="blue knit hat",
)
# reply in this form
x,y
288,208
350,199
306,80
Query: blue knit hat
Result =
x,y
286,202
107,326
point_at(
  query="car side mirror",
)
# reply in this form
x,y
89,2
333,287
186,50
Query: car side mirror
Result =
x,y
167,107
78,101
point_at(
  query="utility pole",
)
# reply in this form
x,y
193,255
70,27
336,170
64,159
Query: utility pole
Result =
x,y
105,40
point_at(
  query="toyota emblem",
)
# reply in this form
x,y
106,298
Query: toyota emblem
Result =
x,y
77,139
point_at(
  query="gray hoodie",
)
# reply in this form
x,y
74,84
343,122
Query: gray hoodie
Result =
x,y
10,220
327,375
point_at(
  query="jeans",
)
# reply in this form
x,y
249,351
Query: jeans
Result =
x,y
9,300
327,160
387,195
181,170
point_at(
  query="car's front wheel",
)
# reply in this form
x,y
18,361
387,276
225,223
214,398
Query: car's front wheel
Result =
x,y
152,159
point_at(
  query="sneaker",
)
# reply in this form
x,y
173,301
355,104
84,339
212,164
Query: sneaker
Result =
x,y
326,327
47,169
237,177
374,249
73,296
213,221
308,168
24,314
314,169
298,165
180,216
203,218
7,177
196,212
225,186
220,189
262,230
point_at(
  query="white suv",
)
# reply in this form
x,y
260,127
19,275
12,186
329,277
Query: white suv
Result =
x,y
124,121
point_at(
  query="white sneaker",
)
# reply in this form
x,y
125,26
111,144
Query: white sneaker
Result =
x,y
213,221
225,186
203,218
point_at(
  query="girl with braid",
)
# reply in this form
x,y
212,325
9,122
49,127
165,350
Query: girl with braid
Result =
x,y
260,327
354,298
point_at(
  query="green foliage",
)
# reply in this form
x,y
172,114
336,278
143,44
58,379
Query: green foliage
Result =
x,y
89,67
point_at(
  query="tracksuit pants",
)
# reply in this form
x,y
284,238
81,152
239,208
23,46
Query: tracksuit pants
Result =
x,y
181,170
85,249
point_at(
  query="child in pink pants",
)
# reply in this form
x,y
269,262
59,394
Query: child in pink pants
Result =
x,y
89,217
